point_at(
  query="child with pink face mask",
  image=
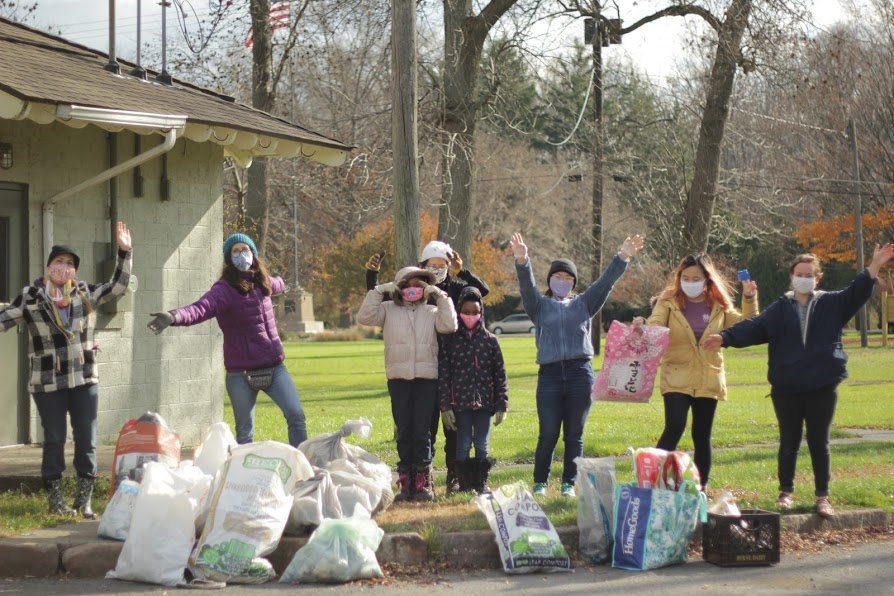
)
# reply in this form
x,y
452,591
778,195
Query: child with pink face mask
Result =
x,y
410,327
472,389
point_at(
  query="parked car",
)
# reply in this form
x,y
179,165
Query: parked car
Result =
x,y
517,323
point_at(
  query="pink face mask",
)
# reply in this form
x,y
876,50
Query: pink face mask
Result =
x,y
60,273
470,320
412,294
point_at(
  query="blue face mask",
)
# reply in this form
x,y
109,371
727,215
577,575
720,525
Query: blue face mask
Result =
x,y
559,287
242,260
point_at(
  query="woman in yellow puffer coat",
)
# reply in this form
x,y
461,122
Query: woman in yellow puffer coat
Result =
x,y
696,303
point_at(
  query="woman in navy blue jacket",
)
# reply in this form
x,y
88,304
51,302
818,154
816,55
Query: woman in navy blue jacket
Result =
x,y
806,363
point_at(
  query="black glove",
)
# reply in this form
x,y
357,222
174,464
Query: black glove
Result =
x,y
162,321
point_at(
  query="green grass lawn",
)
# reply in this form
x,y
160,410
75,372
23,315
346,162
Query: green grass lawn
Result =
x,y
343,380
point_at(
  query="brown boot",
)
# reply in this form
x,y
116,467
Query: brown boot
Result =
x,y
406,487
423,483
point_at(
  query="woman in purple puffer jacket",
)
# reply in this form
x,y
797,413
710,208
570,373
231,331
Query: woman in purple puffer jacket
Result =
x,y
253,352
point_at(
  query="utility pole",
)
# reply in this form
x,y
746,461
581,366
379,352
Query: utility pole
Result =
x,y
403,132
595,33
862,321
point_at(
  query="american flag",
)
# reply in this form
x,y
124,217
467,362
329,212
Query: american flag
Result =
x,y
280,17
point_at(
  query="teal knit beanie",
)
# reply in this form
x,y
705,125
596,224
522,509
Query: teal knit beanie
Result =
x,y
236,239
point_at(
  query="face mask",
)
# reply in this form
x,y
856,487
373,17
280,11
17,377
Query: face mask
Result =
x,y
242,260
693,289
470,320
559,287
61,273
412,294
440,273
804,285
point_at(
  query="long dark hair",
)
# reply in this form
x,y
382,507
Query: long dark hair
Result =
x,y
235,278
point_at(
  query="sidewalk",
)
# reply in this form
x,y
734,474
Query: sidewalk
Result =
x,y
74,548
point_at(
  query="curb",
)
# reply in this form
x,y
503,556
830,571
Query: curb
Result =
x,y
83,556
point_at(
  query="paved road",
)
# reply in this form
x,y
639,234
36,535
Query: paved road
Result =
x,y
864,569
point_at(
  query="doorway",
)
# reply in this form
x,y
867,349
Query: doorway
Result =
x,y
13,271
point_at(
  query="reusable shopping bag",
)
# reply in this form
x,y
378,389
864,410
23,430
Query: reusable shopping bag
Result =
x,y
653,526
595,506
631,363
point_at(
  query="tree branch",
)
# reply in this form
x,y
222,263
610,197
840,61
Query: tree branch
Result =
x,y
676,11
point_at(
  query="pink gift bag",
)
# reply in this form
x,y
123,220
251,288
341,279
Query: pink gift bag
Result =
x,y
631,363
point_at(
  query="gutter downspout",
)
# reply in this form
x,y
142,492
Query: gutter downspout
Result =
x,y
50,204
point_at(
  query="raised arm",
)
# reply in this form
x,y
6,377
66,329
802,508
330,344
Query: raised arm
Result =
x,y
526,284
99,294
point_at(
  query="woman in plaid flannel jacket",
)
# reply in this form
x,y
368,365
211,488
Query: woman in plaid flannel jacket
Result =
x,y
60,314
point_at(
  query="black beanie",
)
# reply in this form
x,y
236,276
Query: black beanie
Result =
x,y
63,249
562,265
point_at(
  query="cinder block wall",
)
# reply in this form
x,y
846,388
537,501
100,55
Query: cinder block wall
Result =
x,y
177,257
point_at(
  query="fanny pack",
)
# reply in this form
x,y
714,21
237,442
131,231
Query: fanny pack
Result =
x,y
259,379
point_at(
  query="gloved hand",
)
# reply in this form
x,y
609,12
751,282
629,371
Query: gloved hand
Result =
x,y
432,290
449,419
386,288
456,263
499,417
162,321
374,262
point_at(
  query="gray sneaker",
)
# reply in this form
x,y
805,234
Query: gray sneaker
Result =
x,y
567,490
540,489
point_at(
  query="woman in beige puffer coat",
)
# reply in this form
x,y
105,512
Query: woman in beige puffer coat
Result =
x,y
410,326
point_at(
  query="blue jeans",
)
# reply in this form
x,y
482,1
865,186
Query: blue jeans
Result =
x,y
472,427
563,402
81,403
283,393
412,401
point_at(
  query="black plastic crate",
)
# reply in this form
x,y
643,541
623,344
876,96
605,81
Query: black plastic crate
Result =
x,y
752,539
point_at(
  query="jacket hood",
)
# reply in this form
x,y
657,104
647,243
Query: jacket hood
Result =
x,y
407,272
470,294
817,294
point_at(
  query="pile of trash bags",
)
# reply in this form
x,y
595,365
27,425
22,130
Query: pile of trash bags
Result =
x,y
239,500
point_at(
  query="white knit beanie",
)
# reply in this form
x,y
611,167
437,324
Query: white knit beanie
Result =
x,y
436,249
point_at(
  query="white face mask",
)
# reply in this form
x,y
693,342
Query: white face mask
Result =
x,y
693,289
440,273
804,285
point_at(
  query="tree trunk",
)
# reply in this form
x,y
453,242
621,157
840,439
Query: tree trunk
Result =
x,y
700,204
404,132
464,36
262,98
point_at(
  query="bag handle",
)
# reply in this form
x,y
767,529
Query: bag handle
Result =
x,y
702,499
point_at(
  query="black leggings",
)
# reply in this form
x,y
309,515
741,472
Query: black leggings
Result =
x,y
676,410
816,409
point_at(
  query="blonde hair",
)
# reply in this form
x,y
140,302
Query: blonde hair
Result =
x,y
717,289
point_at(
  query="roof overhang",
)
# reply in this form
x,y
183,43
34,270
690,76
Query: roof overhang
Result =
x,y
239,144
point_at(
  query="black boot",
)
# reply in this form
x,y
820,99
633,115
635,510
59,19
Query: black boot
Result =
x,y
54,496
465,471
453,481
482,473
83,497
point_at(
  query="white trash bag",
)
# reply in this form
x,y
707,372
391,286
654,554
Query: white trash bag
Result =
x,y
163,527
595,507
115,521
329,451
249,509
316,499
526,538
340,550
212,454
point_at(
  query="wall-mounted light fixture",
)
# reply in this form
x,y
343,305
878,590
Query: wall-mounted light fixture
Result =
x,y
5,156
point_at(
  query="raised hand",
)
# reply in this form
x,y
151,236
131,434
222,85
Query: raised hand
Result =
x,y
123,236
456,263
631,246
386,288
519,249
749,288
880,256
432,290
374,263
